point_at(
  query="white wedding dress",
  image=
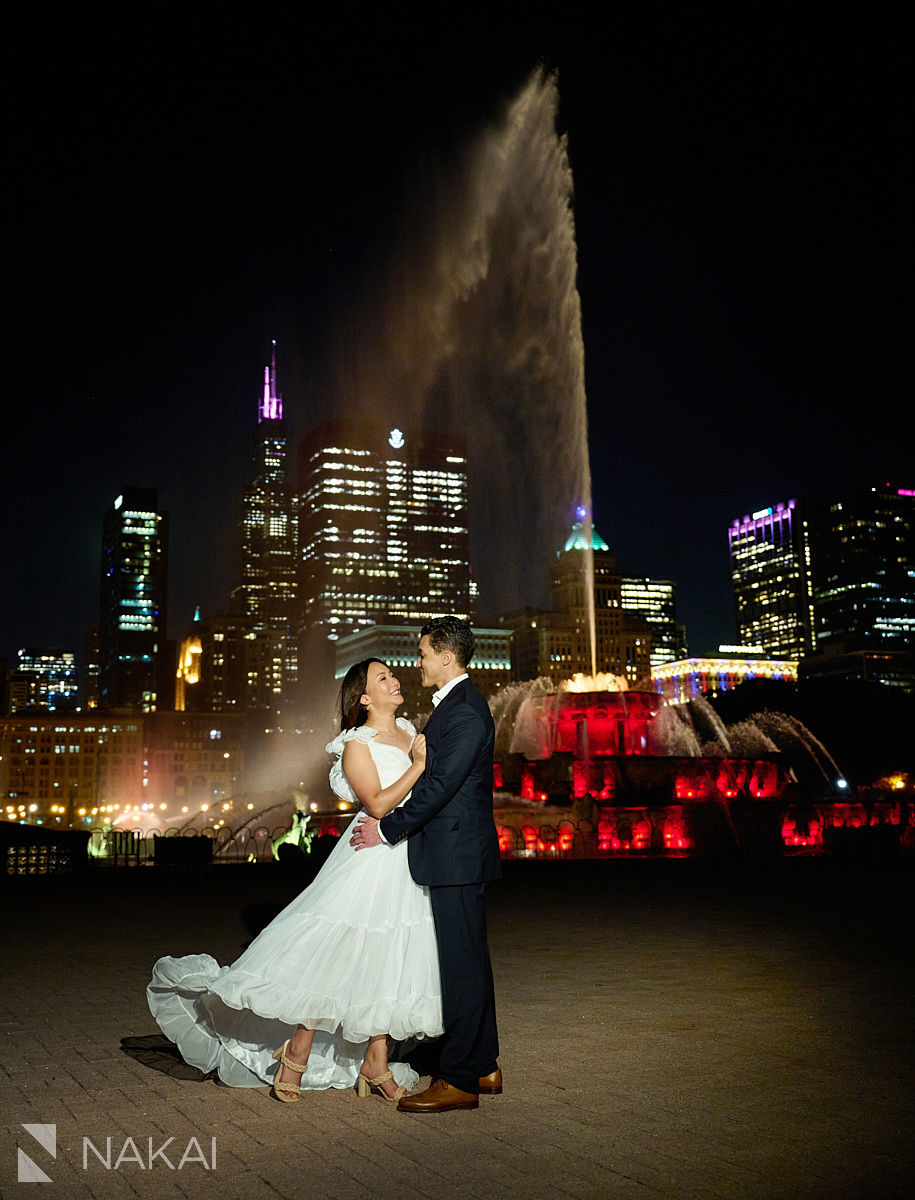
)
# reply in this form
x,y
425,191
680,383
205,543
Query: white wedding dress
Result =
x,y
353,956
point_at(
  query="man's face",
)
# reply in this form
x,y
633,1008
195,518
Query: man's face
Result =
x,y
433,667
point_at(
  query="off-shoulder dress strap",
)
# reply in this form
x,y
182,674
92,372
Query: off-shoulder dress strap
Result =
x,y
339,784
362,733
403,723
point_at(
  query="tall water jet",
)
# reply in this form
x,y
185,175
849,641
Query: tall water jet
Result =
x,y
480,330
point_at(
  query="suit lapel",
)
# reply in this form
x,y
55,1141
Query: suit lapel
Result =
x,y
435,720
455,691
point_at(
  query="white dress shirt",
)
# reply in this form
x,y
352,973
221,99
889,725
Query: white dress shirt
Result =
x,y
439,696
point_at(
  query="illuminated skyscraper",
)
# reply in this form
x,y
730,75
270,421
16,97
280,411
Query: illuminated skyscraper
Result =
x,y
655,600
132,603
226,665
92,665
770,570
862,546
830,578
383,528
43,681
267,592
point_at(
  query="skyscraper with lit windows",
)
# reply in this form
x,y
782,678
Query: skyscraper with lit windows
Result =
x,y
770,571
863,569
226,665
656,601
383,528
43,681
267,591
134,577
829,579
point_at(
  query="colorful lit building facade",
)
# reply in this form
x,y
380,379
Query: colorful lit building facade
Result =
x,y
685,680
267,593
132,614
383,529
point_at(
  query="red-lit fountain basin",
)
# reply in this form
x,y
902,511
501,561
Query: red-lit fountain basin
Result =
x,y
575,744
588,775
585,724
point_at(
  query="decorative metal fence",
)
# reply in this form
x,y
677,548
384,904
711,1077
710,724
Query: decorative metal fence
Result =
x,y
171,847
710,830
108,848
221,844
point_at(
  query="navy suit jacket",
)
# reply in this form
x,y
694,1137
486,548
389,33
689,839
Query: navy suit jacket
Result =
x,y
448,817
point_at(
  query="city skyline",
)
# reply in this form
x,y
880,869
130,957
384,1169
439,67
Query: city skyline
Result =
x,y
736,273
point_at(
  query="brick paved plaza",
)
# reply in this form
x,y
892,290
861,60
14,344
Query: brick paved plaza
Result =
x,y
669,1029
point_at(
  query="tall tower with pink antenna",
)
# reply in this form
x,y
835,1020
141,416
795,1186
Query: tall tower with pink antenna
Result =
x,y
271,405
267,591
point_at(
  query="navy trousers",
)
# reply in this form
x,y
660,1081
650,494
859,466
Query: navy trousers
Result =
x,y
470,1045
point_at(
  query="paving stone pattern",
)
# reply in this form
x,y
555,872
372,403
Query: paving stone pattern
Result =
x,y
669,1030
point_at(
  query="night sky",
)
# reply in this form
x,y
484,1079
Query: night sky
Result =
x,y
183,193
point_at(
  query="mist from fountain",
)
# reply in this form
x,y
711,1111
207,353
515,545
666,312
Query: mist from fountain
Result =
x,y
692,730
672,733
760,734
749,741
711,731
505,705
480,331
798,744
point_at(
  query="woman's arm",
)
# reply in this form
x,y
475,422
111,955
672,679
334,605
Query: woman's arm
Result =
x,y
460,746
362,774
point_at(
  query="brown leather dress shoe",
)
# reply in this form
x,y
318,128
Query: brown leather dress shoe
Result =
x,y
491,1085
440,1097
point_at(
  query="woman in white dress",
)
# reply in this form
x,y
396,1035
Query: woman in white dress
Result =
x,y
351,961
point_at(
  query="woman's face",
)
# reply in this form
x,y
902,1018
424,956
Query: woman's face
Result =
x,y
382,690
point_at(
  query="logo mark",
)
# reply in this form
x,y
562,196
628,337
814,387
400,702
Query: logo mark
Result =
x,y
30,1172
396,439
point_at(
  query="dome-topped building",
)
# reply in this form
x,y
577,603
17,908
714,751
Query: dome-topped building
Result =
x,y
556,642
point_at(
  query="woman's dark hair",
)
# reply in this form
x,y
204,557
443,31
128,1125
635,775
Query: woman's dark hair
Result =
x,y
352,713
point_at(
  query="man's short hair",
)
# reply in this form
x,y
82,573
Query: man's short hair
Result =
x,y
451,633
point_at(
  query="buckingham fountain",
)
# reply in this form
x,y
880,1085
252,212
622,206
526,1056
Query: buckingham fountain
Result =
x,y
489,301
480,330
619,773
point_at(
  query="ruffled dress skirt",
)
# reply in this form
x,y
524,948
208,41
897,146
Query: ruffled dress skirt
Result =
x,y
353,956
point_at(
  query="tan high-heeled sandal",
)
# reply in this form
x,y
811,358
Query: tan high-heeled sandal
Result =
x,y
287,1092
365,1086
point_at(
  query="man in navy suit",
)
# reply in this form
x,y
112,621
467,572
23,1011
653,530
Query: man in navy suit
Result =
x,y
454,849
